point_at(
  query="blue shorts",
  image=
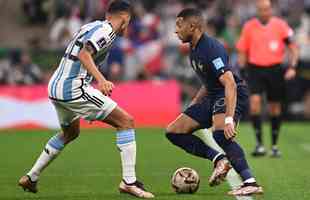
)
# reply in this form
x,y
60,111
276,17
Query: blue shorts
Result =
x,y
211,105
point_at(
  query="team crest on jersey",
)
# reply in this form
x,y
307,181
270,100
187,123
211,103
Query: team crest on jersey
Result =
x,y
197,65
218,63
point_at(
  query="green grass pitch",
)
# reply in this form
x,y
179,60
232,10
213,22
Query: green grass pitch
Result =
x,y
89,169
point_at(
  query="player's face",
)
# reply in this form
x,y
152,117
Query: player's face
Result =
x,y
126,19
264,10
183,30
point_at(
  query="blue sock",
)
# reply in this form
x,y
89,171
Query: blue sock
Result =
x,y
125,137
56,142
194,145
234,153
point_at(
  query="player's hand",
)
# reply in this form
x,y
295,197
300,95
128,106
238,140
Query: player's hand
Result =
x,y
106,87
290,74
229,129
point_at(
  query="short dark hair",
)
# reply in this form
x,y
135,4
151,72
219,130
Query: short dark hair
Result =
x,y
190,12
119,6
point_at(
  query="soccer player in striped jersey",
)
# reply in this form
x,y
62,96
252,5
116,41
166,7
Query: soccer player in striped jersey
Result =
x,y
73,98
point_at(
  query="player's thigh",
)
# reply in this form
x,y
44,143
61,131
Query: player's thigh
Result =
x,y
72,131
275,85
119,119
183,124
255,80
66,116
219,121
193,118
68,120
219,109
274,108
218,117
93,105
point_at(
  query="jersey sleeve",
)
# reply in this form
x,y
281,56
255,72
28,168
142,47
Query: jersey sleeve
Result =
x,y
100,38
219,66
244,40
287,32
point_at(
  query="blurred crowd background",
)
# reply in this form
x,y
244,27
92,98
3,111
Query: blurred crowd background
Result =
x,y
34,34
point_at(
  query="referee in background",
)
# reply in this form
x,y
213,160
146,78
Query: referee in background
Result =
x,y
261,48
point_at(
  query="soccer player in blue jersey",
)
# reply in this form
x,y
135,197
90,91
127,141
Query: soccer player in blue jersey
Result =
x,y
73,98
219,104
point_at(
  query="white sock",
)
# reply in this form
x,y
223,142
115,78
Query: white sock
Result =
x,y
50,152
127,146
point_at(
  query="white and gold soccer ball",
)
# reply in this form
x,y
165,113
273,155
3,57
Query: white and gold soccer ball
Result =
x,y
185,180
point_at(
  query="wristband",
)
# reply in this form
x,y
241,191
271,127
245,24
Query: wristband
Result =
x,y
229,120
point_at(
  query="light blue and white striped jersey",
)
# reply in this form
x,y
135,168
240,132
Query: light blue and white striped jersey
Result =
x,y
67,81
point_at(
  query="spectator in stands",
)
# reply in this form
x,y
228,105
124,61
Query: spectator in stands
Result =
x,y
23,71
145,37
34,11
4,70
303,75
114,70
64,28
184,74
91,9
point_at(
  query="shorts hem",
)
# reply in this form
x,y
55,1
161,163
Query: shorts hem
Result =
x,y
104,114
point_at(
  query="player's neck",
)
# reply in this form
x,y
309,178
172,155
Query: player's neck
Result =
x,y
196,39
264,21
116,24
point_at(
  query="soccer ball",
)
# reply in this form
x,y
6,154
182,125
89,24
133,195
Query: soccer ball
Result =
x,y
185,180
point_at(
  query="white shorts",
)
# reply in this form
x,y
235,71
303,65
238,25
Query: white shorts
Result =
x,y
92,106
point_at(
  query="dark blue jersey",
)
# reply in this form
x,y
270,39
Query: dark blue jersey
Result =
x,y
209,59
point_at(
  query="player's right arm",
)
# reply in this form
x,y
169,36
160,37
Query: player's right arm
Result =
x,y
85,56
243,46
242,59
200,94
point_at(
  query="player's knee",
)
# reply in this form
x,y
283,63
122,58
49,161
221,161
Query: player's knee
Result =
x,y
171,129
255,108
255,104
168,130
127,122
275,109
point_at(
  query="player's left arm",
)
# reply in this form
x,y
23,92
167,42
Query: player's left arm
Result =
x,y
293,52
228,81
293,55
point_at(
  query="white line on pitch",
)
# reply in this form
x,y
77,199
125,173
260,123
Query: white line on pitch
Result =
x,y
232,177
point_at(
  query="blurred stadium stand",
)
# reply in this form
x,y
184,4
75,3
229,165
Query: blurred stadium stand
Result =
x,y
151,51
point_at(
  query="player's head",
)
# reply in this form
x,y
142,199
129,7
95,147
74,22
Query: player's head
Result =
x,y
189,22
119,10
264,9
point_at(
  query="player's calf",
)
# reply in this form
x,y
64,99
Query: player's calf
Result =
x,y
237,159
193,145
126,143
